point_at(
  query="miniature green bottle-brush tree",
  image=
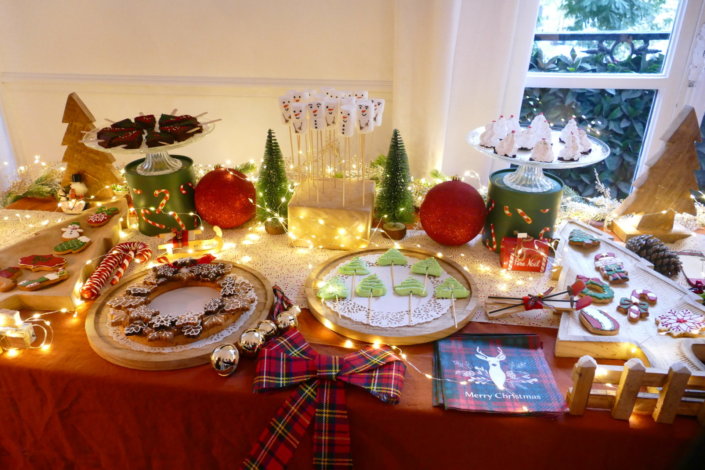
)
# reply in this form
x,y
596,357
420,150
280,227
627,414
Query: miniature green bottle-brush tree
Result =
x,y
273,191
395,203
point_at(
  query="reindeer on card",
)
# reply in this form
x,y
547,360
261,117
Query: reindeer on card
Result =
x,y
498,376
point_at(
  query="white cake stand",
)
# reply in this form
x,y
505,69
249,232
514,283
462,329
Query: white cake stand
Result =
x,y
529,175
157,160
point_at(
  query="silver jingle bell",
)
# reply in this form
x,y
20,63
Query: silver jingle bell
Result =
x,y
286,320
251,341
225,359
268,328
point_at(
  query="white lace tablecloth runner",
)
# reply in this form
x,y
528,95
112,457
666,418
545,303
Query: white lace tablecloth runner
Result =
x,y
289,267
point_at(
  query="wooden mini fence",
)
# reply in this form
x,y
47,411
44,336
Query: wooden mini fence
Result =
x,y
668,393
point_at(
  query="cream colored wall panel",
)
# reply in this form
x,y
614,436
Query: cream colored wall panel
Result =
x,y
34,110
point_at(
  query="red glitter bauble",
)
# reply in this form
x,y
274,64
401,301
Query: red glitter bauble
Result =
x,y
225,198
453,213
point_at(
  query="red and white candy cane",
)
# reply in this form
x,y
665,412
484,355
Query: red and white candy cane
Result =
x,y
145,213
507,212
545,211
138,251
644,294
543,232
162,204
490,206
182,188
492,242
525,216
91,288
137,191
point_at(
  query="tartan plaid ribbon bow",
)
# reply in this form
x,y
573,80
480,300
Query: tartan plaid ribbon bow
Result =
x,y
288,361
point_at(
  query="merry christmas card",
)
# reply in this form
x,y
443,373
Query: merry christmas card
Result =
x,y
496,374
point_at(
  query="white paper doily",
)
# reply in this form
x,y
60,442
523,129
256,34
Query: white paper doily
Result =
x,y
391,309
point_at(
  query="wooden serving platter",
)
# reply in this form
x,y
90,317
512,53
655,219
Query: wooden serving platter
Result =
x,y
64,294
403,335
105,346
641,339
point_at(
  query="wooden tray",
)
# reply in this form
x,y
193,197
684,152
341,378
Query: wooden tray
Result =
x,y
103,344
422,333
64,294
640,339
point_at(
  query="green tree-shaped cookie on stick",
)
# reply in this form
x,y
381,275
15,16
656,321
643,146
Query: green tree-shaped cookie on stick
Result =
x,y
427,267
451,289
369,287
411,286
391,258
333,289
356,267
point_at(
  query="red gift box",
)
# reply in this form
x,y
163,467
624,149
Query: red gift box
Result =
x,y
524,254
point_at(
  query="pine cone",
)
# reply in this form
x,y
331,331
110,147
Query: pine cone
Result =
x,y
652,249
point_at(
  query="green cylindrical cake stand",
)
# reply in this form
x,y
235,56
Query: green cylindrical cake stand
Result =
x,y
511,211
164,202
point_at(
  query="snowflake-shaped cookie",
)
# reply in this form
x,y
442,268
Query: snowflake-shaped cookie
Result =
x,y
140,290
126,302
156,335
234,305
192,331
135,328
209,321
118,317
213,306
142,313
188,318
681,322
161,322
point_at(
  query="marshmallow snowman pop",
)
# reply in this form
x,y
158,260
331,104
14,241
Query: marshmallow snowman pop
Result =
x,y
348,117
366,124
285,108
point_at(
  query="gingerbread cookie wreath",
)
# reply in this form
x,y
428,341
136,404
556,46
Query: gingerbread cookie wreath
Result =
x,y
146,325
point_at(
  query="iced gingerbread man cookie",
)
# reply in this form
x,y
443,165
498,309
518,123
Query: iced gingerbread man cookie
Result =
x,y
611,268
681,322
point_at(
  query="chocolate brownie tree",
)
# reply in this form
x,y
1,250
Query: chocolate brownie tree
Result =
x,y
95,166
395,202
273,191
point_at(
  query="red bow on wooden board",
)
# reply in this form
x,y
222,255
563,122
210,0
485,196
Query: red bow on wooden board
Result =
x,y
289,361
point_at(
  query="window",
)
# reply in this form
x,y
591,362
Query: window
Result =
x,y
615,65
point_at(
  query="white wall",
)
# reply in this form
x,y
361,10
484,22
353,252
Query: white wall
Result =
x,y
230,58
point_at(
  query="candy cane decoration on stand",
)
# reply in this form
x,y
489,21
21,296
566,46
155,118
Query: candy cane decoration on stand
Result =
x,y
133,250
490,206
543,232
493,245
507,211
145,212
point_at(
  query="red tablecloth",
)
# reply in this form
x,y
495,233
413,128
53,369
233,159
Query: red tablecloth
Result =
x,y
68,408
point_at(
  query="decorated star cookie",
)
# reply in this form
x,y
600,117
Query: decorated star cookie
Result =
x,y
102,216
598,322
451,288
371,286
71,231
42,262
599,291
681,322
7,278
428,266
392,257
44,281
72,246
333,289
578,237
411,286
355,267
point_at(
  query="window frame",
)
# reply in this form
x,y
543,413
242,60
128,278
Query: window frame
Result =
x,y
670,84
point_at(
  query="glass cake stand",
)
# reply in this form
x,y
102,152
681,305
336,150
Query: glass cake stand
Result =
x,y
529,176
157,160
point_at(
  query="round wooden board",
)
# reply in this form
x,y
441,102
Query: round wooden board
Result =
x,y
422,333
103,344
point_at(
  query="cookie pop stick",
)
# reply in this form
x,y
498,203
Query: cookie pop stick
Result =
x,y
451,289
354,267
369,287
411,286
